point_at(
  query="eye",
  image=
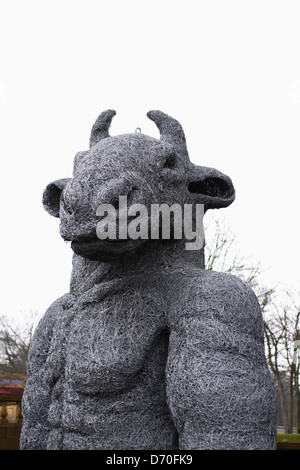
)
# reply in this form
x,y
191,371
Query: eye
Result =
x,y
169,163
66,207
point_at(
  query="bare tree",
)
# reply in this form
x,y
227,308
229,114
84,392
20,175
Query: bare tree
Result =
x,y
222,254
15,339
281,333
281,318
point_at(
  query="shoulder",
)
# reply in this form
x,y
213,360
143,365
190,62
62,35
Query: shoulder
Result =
x,y
54,310
226,287
43,332
222,296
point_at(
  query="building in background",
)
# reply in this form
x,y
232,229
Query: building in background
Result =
x,y
12,386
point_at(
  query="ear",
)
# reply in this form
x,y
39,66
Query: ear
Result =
x,y
51,196
210,187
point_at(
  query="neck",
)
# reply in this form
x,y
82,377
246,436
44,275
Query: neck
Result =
x,y
151,256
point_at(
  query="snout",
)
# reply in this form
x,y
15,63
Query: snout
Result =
x,y
80,216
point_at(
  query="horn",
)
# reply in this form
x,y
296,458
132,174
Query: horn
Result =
x,y
170,129
100,128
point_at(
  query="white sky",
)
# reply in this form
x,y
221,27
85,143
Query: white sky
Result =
x,y
229,71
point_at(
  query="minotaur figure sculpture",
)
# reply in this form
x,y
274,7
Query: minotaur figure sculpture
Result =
x,y
148,350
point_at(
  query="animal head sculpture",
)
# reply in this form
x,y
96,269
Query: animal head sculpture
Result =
x,y
144,169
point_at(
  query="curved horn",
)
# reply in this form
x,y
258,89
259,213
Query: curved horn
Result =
x,y
170,129
100,128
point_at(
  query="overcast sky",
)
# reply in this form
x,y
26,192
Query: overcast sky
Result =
x,y
229,71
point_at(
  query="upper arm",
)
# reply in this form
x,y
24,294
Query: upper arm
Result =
x,y
216,375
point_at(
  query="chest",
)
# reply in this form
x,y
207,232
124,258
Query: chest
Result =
x,y
102,343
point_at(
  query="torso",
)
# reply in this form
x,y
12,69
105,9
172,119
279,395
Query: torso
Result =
x,y
106,367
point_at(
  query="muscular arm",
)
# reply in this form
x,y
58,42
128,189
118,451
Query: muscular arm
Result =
x,y
219,390
37,394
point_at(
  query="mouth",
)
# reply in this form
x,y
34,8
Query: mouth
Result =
x,y
95,249
92,239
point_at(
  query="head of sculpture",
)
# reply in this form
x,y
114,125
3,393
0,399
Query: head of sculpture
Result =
x,y
141,170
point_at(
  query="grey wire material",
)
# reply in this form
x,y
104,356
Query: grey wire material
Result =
x,y
147,350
